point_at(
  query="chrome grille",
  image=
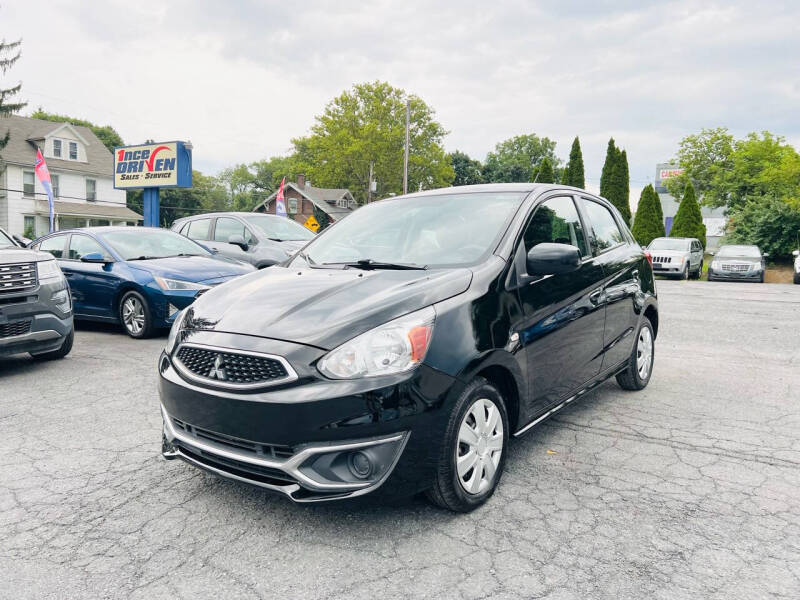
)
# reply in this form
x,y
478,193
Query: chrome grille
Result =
x,y
12,329
662,259
232,369
17,277
736,267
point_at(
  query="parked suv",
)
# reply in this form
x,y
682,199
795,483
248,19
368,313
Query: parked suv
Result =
x,y
259,239
404,346
35,303
681,257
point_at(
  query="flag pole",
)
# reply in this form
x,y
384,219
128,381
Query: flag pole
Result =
x,y
405,157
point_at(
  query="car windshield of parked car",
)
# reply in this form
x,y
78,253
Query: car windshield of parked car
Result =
x,y
280,228
443,230
667,244
748,251
141,243
6,242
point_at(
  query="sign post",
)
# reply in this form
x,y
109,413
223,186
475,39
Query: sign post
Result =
x,y
151,167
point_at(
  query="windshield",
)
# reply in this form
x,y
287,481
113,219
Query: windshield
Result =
x,y
280,228
668,244
5,241
749,251
452,230
144,242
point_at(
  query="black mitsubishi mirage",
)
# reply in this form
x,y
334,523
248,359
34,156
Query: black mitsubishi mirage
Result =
x,y
401,349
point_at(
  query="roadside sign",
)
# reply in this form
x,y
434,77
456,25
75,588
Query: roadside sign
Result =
x,y
167,164
311,223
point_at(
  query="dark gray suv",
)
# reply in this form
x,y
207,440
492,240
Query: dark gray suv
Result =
x,y
35,303
255,238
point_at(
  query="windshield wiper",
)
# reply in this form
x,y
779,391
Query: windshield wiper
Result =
x,y
183,254
306,258
368,264
276,239
143,257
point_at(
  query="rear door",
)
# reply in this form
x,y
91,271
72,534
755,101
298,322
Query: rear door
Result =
x,y
562,326
620,258
93,285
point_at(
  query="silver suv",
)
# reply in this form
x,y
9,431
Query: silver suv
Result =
x,y
35,303
255,238
677,257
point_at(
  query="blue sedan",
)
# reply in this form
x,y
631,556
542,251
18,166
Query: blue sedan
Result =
x,y
140,277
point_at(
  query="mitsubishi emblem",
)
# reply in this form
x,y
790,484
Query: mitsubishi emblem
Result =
x,y
217,371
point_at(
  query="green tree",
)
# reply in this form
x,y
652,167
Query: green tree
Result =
x,y
207,194
517,159
467,170
703,158
614,180
688,220
772,224
366,124
648,223
9,54
544,174
105,133
573,172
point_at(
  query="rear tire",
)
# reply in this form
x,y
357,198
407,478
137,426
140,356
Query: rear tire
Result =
x,y
135,315
474,450
66,347
640,364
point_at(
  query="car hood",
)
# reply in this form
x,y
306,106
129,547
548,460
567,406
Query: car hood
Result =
x,y
21,255
192,268
321,307
669,253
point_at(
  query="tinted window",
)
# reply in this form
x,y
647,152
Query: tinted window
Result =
x,y
556,221
226,227
198,230
81,245
54,245
605,231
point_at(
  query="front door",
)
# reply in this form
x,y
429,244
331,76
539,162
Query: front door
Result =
x,y
226,227
562,326
93,285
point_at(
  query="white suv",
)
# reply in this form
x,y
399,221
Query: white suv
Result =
x,y
677,257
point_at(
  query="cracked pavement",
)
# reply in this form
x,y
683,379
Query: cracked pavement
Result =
x,y
688,489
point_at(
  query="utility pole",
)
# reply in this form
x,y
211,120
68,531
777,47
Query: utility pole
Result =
x,y
369,183
405,158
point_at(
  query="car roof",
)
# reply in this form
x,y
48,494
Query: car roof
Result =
x,y
225,214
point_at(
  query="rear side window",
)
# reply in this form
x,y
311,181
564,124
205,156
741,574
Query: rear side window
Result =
x,y
605,231
81,245
556,221
54,245
198,230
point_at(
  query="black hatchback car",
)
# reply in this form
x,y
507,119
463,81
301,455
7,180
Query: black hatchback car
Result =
x,y
401,349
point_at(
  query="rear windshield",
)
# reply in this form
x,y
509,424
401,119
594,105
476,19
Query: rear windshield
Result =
x,y
443,230
668,244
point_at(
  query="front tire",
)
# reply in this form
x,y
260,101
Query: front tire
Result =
x,y
640,364
797,278
135,315
474,451
66,348
685,273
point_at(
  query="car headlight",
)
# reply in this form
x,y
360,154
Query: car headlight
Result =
x,y
755,267
394,347
179,284
715,265
48,270
177,324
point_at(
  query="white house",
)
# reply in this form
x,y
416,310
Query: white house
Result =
x,y
81,171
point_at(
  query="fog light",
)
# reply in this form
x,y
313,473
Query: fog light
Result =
x,y
360,464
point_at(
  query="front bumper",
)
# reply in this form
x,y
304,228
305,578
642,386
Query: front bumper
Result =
x,y
295,438
735,275
35,324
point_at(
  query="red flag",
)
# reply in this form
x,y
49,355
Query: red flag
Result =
x,y
280,203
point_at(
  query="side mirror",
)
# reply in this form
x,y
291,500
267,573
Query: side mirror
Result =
x,y
21,241
796,253
765,254
551,259
94,257
238,240
712,253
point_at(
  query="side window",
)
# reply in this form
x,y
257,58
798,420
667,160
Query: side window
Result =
x,y
556,221
226,227
605,231
54,245
198,230
81,245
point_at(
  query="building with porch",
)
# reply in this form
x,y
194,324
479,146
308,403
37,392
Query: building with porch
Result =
x,y
81,172
301,198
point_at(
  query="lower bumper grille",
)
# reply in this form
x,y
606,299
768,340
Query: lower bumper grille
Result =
x,y
260,450
12,329
238,468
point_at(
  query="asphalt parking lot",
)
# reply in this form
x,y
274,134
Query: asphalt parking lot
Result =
x,y
688,489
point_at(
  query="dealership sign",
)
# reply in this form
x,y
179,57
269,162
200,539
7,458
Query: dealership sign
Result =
x,y
166,164
667,173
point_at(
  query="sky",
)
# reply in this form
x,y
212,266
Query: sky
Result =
x,y
241,78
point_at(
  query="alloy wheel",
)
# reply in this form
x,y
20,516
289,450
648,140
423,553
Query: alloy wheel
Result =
x,y
480,446
133,315
644,353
